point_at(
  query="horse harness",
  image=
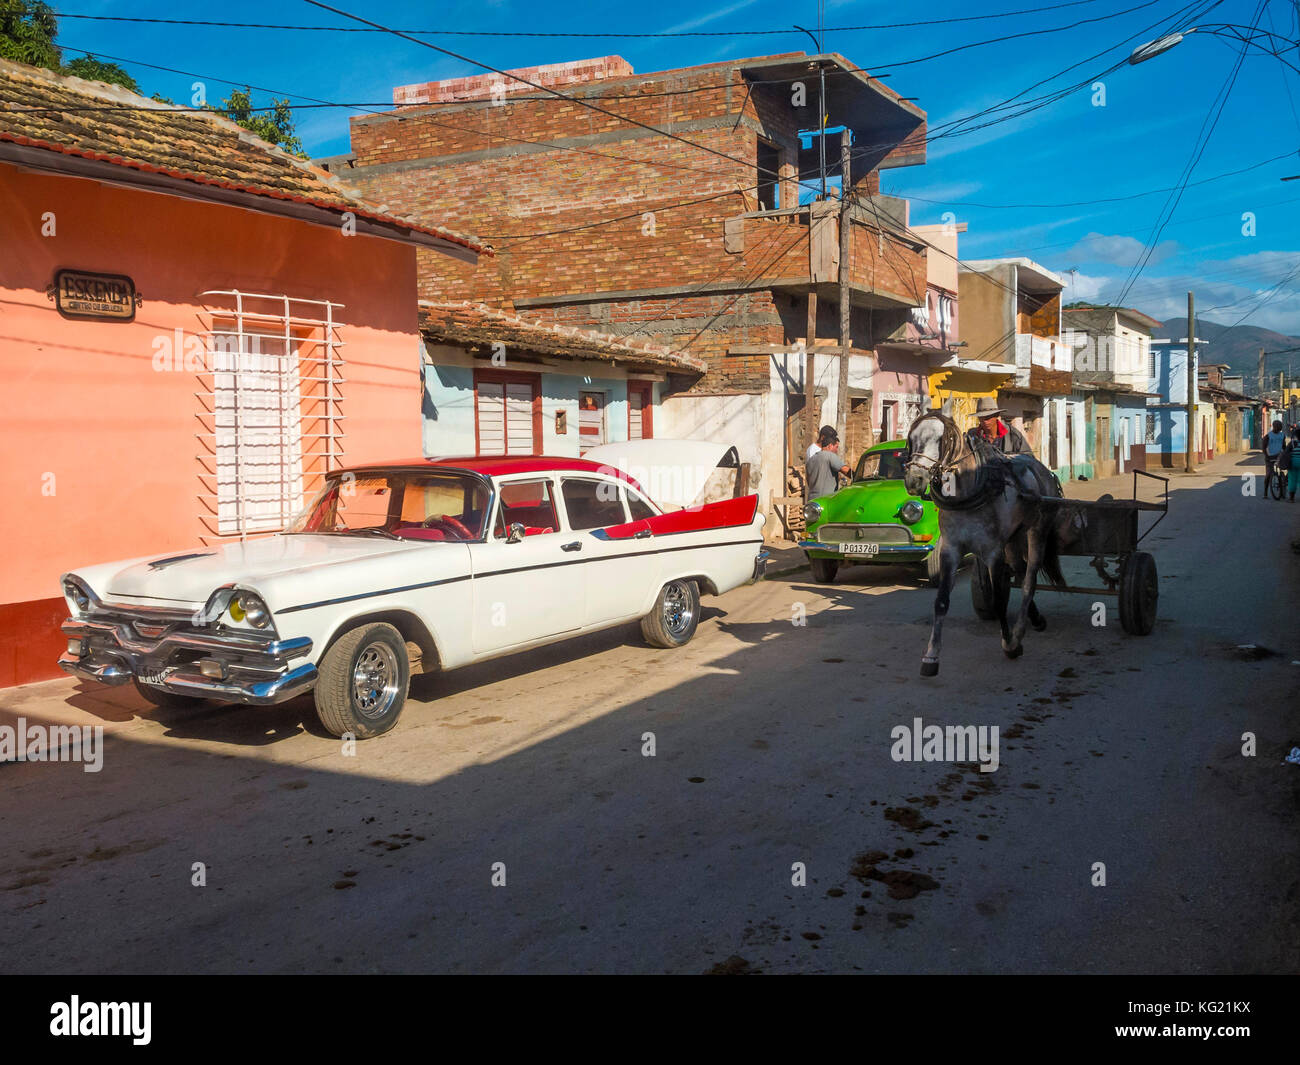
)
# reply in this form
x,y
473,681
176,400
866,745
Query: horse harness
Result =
x,y
992,472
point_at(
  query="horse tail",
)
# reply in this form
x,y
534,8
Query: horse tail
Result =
x,y
1051,566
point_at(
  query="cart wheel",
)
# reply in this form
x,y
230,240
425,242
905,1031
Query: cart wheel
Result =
x,y
981,591
1139,591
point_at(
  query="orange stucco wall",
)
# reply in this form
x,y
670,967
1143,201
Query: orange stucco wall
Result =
x,y
98,455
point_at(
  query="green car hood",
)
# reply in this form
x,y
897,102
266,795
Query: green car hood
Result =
x,y
874,502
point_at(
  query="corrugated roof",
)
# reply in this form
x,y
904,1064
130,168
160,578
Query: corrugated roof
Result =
x,y
108,124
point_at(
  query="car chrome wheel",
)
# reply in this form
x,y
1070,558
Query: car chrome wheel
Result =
x,y
375,679
678,611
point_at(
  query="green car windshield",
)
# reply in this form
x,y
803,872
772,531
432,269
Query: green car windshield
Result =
x,y
884,465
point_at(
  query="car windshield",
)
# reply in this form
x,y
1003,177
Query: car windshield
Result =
x,y
881,465
398,504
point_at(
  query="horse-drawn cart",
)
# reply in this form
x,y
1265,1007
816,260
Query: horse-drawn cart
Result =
x,y
1106,531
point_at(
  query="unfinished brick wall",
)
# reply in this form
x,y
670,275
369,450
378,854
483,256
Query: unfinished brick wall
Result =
x,y
707,326
1046,320
617,209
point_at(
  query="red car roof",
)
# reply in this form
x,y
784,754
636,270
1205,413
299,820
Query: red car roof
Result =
x,y
504,465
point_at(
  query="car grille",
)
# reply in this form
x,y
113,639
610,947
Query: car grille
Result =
x,y
878,534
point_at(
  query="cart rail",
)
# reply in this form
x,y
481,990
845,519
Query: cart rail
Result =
x,y
1109,527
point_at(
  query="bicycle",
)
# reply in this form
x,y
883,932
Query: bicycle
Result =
x,y
1275,485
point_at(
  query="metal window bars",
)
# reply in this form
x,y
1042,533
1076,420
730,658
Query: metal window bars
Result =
x,y
270,409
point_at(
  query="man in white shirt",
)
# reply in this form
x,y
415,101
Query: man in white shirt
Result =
x,y
816,445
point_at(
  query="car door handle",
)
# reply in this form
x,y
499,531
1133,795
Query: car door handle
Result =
x,y
575,546
642,534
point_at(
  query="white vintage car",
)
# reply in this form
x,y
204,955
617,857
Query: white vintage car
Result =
x,y
409,567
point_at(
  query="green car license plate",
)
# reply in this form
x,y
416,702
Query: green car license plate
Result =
x,y
860,549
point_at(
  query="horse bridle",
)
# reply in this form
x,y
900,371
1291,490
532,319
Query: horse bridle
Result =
x,y
949,445
989,479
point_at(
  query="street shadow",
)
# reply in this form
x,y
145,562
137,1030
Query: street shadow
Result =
x,y
770,750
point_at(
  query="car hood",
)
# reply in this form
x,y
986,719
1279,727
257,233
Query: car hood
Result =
x,y
868,501
191,576
673,473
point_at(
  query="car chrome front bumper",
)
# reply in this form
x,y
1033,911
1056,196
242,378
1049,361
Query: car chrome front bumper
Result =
x,y
253,668
916,551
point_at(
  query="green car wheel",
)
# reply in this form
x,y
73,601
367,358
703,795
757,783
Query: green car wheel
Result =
x,y
824,570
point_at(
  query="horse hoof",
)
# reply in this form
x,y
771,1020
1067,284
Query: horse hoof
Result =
x,y
929,669
1039,623
1014,652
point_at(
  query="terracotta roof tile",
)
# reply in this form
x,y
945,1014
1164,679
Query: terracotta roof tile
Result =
x,y
107,123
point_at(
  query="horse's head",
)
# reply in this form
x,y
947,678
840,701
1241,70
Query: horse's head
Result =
x,y
925,445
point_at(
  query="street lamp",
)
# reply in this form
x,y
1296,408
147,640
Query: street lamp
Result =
x,y
1151,49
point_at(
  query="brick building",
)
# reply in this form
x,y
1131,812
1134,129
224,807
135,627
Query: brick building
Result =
x,y
702,248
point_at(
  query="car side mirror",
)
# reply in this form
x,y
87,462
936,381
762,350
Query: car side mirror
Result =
x,y
515,533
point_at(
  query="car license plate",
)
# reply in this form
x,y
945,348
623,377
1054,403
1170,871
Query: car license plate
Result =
x,y
860,549
153,676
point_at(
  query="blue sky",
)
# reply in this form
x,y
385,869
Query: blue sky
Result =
x,y
1072,151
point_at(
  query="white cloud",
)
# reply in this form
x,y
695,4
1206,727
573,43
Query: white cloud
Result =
x,y
712,16
1222,302
943,193
1260,265
1118,250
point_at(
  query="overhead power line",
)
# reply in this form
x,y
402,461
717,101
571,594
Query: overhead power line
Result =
x,y
1204,135
541,88
584,35
1104,199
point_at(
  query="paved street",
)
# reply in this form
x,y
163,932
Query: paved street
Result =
x,y
772,748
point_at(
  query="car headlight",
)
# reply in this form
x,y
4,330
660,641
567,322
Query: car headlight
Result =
x,y
77,596
246,606
911,512
812,513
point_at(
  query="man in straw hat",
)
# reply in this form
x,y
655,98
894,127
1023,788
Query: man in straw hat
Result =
x,y
993,431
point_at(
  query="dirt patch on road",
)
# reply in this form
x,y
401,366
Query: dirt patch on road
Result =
x,y
900,883
733,966
136,846
908,818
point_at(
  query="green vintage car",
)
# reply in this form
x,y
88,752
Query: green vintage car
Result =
x,y
872,520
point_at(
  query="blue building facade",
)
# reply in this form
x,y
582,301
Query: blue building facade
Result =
x,y
1166,417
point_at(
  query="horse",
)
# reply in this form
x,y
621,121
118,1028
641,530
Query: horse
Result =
x,y
1003,509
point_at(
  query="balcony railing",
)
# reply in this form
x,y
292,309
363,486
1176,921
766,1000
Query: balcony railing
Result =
x,y
799,247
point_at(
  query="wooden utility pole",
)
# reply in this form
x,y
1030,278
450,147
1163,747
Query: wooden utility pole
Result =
x,y
1191,381
810,370
1261,372
842,392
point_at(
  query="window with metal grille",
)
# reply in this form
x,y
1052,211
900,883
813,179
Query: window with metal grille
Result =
x,y
272,407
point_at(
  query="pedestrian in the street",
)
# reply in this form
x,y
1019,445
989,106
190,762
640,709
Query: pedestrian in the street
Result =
x,y
825,467
1273,444
1290,460
816,446
994,432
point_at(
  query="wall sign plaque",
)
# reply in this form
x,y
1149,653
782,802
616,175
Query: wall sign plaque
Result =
x,y
82,294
